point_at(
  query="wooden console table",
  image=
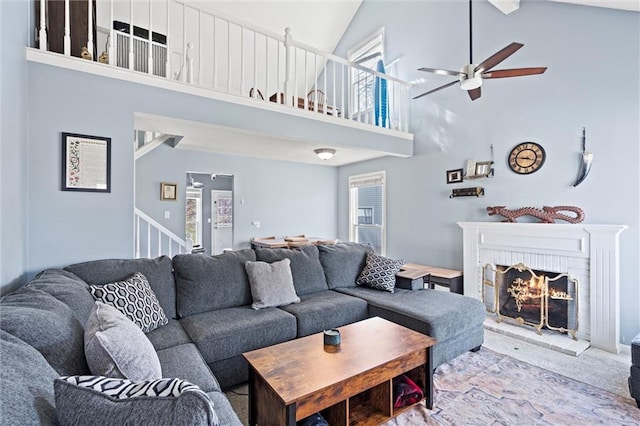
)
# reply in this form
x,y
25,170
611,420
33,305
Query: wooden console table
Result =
x,y
351,384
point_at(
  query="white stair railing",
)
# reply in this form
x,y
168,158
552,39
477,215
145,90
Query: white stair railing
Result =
x,y
217,52
152,239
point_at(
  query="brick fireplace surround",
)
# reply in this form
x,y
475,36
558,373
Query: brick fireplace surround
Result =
x,y
590,253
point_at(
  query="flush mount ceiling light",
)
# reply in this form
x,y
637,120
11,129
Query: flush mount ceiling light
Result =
x,y
324,153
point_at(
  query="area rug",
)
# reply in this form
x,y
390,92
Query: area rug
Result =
x,y
487,388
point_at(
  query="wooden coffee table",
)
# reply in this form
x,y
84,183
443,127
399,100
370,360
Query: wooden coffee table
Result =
x,y
350,385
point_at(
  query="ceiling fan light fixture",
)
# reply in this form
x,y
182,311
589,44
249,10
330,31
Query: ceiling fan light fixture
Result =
x,y
324,153
471,83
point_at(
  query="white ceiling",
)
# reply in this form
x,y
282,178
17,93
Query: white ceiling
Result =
x,y
205,137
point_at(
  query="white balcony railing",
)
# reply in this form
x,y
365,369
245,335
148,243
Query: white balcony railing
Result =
x,y
177,40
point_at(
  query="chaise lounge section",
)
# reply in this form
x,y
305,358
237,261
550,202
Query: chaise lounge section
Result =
x,y
207,301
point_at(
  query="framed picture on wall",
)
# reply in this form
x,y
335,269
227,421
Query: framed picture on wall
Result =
x,y
454,176
86,163
168,191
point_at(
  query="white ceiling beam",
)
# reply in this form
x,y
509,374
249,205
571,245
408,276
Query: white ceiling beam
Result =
x,y
506,6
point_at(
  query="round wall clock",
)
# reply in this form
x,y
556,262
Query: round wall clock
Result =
x,y
526,158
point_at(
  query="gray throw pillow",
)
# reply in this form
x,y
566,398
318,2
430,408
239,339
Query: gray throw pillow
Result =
x,y
115,347
95,400
379,272
134,298
271,284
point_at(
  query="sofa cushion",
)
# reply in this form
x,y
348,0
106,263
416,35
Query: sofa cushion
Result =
x,y
207,283
439,314
168,336
26,381
271,284
135,299
379,272
91,400
68,288
224,410
47,324
228,332
343,262
158,272
185,362
308,276
116,347
326,309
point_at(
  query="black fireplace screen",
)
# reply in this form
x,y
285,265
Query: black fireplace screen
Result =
x,y
541,299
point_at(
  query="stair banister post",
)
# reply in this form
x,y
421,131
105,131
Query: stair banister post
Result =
x,y
288,90
42,34
190,63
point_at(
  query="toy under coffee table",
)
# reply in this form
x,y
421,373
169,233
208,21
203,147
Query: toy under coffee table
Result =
x,y
350,384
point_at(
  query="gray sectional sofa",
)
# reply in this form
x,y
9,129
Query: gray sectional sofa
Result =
x,y
207,300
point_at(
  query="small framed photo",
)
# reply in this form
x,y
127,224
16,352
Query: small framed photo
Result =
x,y
454,176
483,168
86,163
169,191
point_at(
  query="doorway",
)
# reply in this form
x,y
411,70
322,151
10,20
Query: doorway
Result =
x,y
209,212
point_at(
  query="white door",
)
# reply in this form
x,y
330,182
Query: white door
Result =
x,y
222,221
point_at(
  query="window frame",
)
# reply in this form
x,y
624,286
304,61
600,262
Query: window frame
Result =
x,y
372,47
359,181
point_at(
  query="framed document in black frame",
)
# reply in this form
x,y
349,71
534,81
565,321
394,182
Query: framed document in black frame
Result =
x,y
86,163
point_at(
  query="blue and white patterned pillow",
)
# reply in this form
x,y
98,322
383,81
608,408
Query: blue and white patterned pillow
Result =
x,y
379,272
135,299
103,400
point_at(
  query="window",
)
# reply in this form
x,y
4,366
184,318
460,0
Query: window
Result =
x,y
194,216
367,210
366,53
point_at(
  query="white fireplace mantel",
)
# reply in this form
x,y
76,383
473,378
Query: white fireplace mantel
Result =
x,y
590,250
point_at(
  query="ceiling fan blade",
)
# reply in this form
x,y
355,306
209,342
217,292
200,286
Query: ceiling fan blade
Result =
x,y
515,72
437,88
441,72
498,57
474,93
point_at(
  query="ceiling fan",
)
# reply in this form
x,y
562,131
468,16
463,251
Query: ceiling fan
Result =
x,y
471,76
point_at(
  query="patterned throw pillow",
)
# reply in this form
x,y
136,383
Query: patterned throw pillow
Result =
x,y
97,400
379,272
135,299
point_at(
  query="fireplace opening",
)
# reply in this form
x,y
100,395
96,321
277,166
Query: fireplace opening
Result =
x,y
542,299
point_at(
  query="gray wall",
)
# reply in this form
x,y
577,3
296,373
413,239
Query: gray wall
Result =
x,y
13,138
287,198
592,81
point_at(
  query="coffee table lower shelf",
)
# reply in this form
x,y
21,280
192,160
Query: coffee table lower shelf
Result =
x,y
372,406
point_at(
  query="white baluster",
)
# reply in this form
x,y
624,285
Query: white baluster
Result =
x,y
306,80
266,59
42,34
67,29
252,93
255,62
130,34
149,239
228,57
168,61
335,81
90,27
112,57
214,53
199,48
137,236
159,242
190,63
150,49
183,71
325,109
288,90
315,82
